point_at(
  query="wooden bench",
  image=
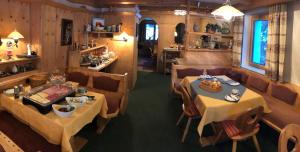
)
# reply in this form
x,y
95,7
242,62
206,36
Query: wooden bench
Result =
x,y
120,92
283,100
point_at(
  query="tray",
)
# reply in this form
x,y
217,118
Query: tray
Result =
x,y
44,96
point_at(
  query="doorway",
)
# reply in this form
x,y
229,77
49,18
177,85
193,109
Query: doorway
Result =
x,y
148,33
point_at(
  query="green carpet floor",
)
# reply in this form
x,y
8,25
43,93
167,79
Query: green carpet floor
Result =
x,y
149,125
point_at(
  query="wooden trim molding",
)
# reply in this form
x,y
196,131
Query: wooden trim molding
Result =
x,y
250,46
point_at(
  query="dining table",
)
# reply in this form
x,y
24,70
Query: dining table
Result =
x,y
214,108
55,129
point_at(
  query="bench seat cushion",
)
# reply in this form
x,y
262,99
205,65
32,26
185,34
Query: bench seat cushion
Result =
x,y
282,114
258,84
182,73
218,71
1,148
284,94
238,76
78,77
113,102
106,83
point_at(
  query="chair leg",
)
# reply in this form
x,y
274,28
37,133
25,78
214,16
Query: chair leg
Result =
x,y
213,126
234,145
256,143
218,137
180,118
186,129
101,124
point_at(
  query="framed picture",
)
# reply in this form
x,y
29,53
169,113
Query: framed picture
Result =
x,y
66,32
98,24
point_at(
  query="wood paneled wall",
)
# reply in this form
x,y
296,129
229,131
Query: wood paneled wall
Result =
x,y
53,54
126,51
14,14
208,58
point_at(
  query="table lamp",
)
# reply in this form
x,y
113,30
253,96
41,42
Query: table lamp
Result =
x,y
122,37
15,35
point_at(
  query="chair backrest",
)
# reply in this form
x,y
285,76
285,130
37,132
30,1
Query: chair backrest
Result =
x,y
248,121
2,149
187,100
289,133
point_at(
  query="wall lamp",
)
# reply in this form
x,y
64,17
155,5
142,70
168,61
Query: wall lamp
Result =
x,y
122,37
15,35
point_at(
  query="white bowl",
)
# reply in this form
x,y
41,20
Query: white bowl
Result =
x,y
76,101
55,108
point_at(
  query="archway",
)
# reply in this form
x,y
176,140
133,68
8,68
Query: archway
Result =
x,y
179,33
148,34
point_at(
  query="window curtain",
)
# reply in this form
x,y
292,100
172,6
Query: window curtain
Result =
x,y
276,42
238,27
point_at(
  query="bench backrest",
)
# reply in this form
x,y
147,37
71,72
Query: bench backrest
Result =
x,y
287,89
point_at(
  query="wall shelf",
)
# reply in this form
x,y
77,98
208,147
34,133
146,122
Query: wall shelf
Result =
x,y
95,32
211,34
17,60
209,50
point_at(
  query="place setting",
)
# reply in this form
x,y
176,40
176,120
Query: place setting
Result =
x,y
234,96
220,87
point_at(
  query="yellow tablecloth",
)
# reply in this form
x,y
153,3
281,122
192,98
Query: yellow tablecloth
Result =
x,y
55,129
215,110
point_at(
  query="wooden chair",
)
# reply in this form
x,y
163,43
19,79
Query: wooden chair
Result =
x,y
244,127
289,133
189,109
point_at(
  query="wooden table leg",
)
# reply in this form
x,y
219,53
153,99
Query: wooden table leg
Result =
x,y
207,141
219,136
101,124
77,143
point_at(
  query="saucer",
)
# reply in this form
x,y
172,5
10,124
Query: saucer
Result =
x,y
232,98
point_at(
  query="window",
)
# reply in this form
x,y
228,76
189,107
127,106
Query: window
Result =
x,y
151,32
259,43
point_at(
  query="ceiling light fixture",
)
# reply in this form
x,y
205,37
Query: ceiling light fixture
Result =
x,y
180,12
227,11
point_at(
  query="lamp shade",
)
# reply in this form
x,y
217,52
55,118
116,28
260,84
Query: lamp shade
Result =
x,y
227,12
15,35
124,35
180,12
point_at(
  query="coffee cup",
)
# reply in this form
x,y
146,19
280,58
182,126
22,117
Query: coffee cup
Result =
x,y
235,91
82,90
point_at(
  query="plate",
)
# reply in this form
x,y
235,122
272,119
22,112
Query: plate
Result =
x,y
9,92
77,101
232,83
232,98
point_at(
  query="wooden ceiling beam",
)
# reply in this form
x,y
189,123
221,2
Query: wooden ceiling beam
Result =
x,y
173,4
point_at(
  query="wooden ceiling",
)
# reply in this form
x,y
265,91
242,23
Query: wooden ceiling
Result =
x,y
198,5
